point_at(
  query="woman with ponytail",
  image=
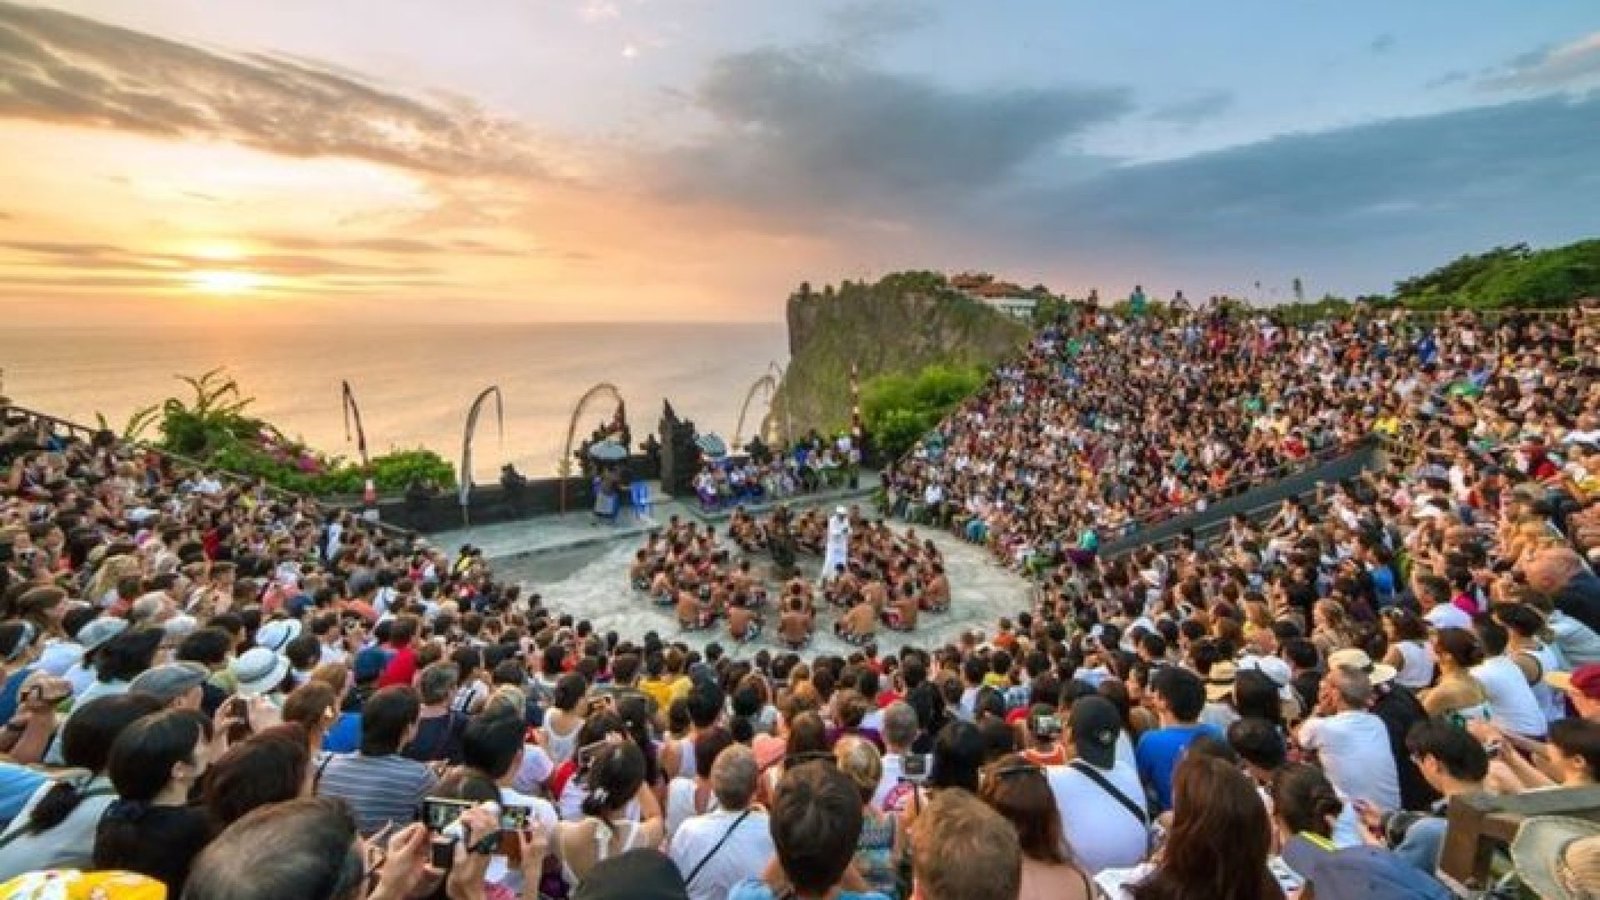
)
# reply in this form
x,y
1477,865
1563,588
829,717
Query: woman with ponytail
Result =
x,y
152,828
614,780
56,827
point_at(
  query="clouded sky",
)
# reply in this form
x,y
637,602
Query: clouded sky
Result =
x,y
694,159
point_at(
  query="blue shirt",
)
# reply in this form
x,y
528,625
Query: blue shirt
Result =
x,y
10,691
1159,752
756,889
17,784
345,735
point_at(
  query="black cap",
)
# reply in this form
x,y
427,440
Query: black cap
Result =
x,y
1095,726
642,874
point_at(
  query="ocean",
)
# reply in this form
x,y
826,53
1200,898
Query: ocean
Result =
x,y
414,383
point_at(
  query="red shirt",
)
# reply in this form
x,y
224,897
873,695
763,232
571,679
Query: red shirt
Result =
x,y
401,669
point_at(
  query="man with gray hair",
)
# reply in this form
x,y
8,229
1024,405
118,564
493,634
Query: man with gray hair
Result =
x,y
730,844
439,727
899,731
1351,743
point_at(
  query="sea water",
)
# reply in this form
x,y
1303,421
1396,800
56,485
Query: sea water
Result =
x,y
414,383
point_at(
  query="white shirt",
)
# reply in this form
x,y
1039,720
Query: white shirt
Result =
x,y
1353,748
1417,673
1512,705
1100,829
743,856
540,810
892,770
1448,615
681,803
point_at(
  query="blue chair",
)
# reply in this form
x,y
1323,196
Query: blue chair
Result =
x,y
639,496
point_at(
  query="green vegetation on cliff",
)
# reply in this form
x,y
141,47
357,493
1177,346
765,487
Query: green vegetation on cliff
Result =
x,y
899,325
899,409
1508,276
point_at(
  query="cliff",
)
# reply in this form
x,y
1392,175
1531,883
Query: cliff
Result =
x,y
900,324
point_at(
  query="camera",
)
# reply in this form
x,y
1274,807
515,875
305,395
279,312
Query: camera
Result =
x,y
442,816
914,768
1048,727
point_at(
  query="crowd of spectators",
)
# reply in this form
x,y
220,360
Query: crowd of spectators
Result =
x,y
216,692
1104,426
813,463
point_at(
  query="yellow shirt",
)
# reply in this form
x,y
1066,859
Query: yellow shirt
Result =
x,y
658,690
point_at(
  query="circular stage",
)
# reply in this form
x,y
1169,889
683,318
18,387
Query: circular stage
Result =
x,y
591,583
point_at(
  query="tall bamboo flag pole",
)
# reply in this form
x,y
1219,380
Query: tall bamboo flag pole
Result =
x,y
466,444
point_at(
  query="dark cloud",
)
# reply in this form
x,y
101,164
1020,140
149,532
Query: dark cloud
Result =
x,y
1549,68
1439,185
1196,109
825,133
56,67
1381,44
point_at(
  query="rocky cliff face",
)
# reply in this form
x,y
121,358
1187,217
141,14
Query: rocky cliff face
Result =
x,y
897,325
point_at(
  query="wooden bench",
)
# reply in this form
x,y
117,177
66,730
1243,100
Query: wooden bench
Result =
x,y
1482,823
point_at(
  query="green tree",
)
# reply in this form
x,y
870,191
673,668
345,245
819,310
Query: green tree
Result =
x,y
899,409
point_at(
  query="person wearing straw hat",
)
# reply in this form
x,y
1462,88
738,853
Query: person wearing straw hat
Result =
x,y
1219,712
1558,857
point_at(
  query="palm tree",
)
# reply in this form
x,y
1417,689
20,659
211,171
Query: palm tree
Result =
x,y
214,417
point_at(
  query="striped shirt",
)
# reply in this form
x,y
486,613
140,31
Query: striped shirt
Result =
x,y
378,789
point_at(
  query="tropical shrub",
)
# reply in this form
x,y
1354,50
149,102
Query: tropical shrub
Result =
x,y
211,427
899,409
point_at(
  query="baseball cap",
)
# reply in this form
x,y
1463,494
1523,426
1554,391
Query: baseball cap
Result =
x,y
1095,725
370,663
1584,679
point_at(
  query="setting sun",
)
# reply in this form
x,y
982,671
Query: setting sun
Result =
x,y
224,281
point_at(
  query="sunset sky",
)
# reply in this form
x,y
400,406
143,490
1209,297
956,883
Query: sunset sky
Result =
x,y
477,160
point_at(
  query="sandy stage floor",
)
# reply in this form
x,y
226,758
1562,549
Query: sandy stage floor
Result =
x,y
591,583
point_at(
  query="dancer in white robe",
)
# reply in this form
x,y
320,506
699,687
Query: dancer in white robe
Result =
x,y
837,552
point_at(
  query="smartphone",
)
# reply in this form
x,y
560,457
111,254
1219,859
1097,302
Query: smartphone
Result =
x,y
914,768
437,813
239,709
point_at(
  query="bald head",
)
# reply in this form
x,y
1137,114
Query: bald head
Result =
x,y
1549,570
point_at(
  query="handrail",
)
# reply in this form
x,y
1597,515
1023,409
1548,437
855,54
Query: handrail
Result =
x,y
1282,470
77,429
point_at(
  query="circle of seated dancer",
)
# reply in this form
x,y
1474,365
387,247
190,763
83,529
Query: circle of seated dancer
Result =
x,y
889,580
